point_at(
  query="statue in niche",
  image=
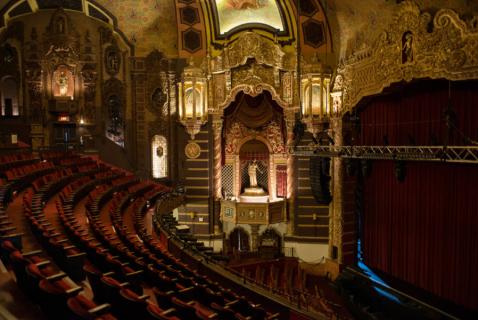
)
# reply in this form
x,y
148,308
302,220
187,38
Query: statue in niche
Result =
x,y
252,170
115,114
63,83
407,47
60,24
159,151
112,60
158,99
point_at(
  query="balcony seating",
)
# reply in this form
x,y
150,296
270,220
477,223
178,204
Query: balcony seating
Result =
x,y
119,259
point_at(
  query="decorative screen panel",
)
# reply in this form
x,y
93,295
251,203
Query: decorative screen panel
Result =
x,y
159,155
281,176
227,176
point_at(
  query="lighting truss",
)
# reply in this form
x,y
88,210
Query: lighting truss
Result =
x,y
460,154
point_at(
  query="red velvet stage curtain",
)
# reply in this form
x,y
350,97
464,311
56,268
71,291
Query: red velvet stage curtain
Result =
x,y
415,115
424,230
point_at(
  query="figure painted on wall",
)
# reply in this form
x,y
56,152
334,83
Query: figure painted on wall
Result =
x,y
252,170
245,4
407,47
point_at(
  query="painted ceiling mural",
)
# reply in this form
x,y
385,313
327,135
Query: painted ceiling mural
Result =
x,y
234,13
146,23
152,24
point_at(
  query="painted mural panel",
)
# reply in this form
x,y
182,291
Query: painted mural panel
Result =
x,y
234,13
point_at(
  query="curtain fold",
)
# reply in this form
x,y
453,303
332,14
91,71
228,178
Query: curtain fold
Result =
x,y
416,116
423,230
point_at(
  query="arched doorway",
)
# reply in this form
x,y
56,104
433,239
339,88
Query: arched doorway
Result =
x,y
270,244
239,240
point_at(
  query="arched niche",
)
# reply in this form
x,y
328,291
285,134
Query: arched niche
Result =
x,y
254,129
258,152
159,157
9,96
270,243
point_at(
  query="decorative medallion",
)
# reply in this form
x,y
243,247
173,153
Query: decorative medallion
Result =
x,y
192,150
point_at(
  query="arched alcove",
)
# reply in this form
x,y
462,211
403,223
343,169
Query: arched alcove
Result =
x,y
239,240
9,96
254,151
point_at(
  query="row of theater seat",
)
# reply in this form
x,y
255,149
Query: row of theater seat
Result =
x,y
59,296
119,262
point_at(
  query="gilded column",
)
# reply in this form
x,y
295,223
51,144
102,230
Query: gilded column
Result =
x,y
217,127
335,210
290,174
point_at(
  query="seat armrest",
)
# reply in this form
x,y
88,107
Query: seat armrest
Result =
x,y
74,291
43,263
57,276
100,309
32,253
144,297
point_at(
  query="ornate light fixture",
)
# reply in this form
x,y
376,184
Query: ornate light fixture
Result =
x,y
315,96
193,99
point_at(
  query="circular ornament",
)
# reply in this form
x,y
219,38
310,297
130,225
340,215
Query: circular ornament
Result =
x,y
192,150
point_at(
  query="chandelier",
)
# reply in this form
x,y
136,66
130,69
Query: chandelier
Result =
x,y
315,96
193,99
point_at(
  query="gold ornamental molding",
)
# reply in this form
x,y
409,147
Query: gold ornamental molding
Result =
x,y
414,46
250,45
251,64
253,90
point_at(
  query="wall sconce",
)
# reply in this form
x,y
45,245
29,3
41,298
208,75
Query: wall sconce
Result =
x,y
193,99
315,97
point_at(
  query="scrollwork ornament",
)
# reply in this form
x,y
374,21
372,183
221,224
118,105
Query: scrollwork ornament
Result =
x,y
408,50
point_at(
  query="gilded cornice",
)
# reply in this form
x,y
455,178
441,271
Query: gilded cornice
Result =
x,y
444,46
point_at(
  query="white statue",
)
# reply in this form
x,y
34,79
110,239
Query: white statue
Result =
x,y
252,170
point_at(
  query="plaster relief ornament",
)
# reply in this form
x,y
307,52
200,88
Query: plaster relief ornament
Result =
x,y
192,150
407,49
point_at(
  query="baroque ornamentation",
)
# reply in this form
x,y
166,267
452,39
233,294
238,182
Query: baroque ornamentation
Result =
x,y
253,90
408,50
250,64
270,133
251,45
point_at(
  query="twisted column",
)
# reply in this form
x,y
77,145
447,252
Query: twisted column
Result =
x,y
217,129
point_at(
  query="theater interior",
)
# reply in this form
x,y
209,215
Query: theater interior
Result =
x,y
238,159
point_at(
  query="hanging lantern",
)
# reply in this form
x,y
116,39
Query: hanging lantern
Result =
x,y
193,99
315,97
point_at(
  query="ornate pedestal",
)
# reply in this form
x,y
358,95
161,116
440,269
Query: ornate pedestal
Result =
x,y
254,195
246,212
